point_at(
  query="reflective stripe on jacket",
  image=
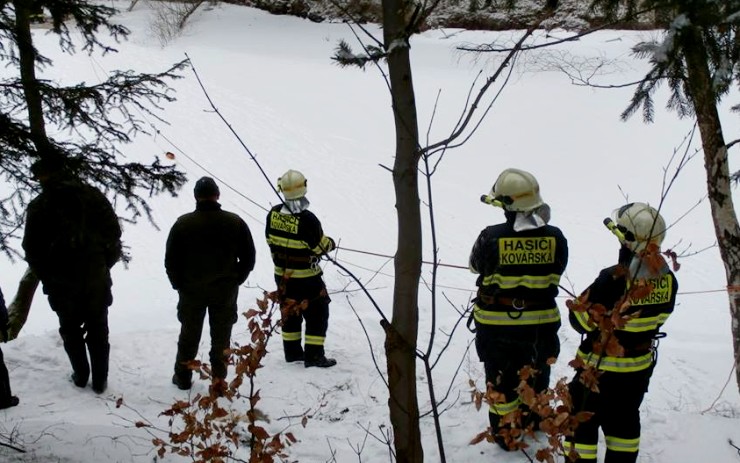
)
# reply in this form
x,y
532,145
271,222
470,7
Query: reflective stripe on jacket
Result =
x,y
296,241
526,266
644,318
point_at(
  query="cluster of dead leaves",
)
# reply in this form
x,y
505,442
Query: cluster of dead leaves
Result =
x,y
552,408
203,429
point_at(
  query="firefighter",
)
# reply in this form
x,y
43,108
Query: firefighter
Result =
x,y
519,264
297,243
618,358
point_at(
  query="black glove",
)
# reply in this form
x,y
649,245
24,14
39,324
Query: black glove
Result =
x,y
625,255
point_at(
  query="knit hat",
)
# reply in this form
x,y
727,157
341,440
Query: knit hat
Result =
x,y
46,166
206,187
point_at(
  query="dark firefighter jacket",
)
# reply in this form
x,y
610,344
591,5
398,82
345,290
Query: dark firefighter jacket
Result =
x,y
72,236
209,249
519,273
296,243
644,316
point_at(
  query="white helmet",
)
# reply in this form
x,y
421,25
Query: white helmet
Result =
x,y
292,184
641,225
517,190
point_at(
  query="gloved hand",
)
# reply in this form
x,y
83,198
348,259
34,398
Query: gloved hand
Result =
x,y
332,244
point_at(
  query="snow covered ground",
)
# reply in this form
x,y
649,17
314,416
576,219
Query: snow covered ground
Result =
x,y
273,79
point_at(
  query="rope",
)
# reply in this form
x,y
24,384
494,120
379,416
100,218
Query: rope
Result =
x,y
683,293
730,289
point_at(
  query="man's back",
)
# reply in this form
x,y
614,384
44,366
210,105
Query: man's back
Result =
x,y
72,235
208,247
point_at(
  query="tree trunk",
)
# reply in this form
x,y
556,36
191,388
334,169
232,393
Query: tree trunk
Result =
x,y
401,334
726,226
27,64
21,304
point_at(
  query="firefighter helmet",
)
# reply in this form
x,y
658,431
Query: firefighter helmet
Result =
x,y
517,190
641,224
292,184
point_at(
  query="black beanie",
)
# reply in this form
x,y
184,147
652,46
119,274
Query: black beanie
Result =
x,y
206,187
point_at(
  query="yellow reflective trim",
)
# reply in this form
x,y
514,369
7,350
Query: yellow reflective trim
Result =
x,y
502,409
286,242
585,451
527,281
618,444
524,317
324,246
617,364
315,340
584,320
297,273
292,336
638,325
662,318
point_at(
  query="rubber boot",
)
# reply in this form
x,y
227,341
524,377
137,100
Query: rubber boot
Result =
x,y
293,351
314,357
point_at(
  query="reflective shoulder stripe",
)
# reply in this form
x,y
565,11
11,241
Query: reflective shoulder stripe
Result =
x,y
527,281
524,317
617,364
618,444
286,242
297,273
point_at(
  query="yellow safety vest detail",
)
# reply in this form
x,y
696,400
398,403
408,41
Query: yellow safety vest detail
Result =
x,y
617,364
298,273
286,242
638,325
527,281
661,293
526,251
515,317
284,222
617,444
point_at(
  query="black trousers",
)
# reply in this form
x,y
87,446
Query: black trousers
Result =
x,y
503,357
83,326
191,312
5,392
316,316
616,409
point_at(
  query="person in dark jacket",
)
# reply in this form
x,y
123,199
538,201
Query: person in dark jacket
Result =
x,y
617,359
210,252
7,399
519,263
72,239
297,243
